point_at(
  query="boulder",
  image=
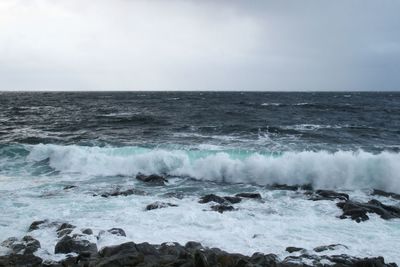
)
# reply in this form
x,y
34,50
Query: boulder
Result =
x,y
377,192
211,198
27,245
20,260
294,249
328,195
358,211
119,192
233,200
65,229
87,231
154,180
221,208
329,247
249,195
36,224
117,231
75,244
159,205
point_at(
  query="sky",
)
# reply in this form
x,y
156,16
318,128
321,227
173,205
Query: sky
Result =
x,y
280,45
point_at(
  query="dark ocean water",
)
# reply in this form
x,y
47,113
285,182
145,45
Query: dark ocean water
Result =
x,y
259,121
205,142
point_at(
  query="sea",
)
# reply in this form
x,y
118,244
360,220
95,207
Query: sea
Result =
x,y
60,150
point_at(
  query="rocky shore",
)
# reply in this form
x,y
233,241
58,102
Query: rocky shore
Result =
x,y
80,246
81,252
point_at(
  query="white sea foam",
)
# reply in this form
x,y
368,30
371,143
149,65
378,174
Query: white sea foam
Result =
x,y
342,169
271,104
283,219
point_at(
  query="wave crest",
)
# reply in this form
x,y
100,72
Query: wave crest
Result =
x,y
342,169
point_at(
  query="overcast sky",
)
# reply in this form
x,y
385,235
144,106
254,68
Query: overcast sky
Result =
x,y
199,45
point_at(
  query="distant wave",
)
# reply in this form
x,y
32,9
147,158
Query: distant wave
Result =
x,y
271,104
343,169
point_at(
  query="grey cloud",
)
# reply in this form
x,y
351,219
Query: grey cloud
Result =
x,y
199,45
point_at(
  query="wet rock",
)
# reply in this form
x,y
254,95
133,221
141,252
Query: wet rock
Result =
x,y
75,244
221,208
65,229
65,226
264,260
329,247
155,180
117,231
27,245
249,195
211,198
9,241
200,260
159,205
193,254
377,192
36,224
87,231
113,231
20,260
192,245
69,261
125,193
124,254
328,195
31,244
294,249
233,200
358,211
345,260
283,187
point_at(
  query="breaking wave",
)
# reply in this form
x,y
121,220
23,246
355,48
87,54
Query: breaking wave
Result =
x,y
342,169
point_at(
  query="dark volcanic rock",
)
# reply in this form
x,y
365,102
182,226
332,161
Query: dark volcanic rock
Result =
x,y
27,245
200,260
249,195
153,179
36,224
328,195
192,245
117,231
65,229
358,211
65,226
70,244
159,205
193,254
233,200
125,193
377,192
113,231
20,260
286,187
283,187
329,247
87,231
294,249
222,208
213,198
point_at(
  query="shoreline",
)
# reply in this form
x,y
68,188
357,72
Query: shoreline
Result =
x,y
80,252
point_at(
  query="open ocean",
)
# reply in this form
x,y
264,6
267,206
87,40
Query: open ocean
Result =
x,y
203,142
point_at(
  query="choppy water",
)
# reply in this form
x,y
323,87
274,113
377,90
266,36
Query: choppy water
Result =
x,y
207,142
